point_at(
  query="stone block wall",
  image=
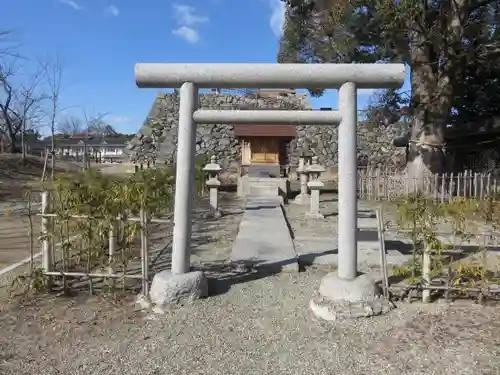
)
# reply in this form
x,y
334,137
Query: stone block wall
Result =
x,y
157,138
375,147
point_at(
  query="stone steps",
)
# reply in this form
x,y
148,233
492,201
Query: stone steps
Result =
x,y
262,186
259,190
264,170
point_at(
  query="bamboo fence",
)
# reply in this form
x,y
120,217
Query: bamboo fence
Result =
x,y
114,259
389,184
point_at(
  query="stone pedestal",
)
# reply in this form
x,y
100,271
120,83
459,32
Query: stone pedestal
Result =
x,y
213,187
314,212
341,299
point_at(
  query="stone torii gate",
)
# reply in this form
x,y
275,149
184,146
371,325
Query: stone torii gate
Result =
x,y
344,285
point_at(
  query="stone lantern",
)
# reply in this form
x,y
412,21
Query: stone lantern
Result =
x,y
303,174
212,170
314,169
315,185
305,156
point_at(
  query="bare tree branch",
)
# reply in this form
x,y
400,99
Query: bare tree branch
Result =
x,y
71,125
21,102
8,48
95,124
53,72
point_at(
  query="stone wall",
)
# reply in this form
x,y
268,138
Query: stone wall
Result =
x,y
375,146
157,138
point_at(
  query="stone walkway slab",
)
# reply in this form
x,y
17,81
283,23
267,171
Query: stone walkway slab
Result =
x,y
264,240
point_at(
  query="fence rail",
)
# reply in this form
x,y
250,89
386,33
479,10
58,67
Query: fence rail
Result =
x,y
390,184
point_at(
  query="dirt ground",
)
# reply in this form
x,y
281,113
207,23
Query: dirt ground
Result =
x,y
20,182
116,169
15,238
17,178
251,323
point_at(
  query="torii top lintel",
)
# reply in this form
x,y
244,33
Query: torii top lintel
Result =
x,y
269,75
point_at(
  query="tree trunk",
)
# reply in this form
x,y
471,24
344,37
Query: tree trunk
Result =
x,y
12,137
434,70
23,145
425,150
53,153
430,114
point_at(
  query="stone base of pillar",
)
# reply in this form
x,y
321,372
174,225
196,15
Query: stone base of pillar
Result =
x,y
302,199
169,289
340,299
310,215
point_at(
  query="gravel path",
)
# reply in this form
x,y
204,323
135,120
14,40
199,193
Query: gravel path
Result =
x,y
251,324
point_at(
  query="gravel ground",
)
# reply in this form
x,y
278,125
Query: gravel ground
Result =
x,y
327,227
212,239
252,323
262,326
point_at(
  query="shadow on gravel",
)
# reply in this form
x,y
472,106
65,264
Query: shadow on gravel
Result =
x,y
324,191
362,214
223,275
232,213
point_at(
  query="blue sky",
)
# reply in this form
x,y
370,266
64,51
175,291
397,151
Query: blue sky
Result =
x,y
99,42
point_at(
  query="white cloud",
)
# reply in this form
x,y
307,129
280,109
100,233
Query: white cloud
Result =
x,y
73,4
187,18
189,34
185,15
277,19
113,10
118,120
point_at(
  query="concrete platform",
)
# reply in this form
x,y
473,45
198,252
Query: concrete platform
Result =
x,y
263,239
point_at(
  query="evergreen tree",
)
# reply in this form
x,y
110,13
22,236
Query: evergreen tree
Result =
x,y
451,46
